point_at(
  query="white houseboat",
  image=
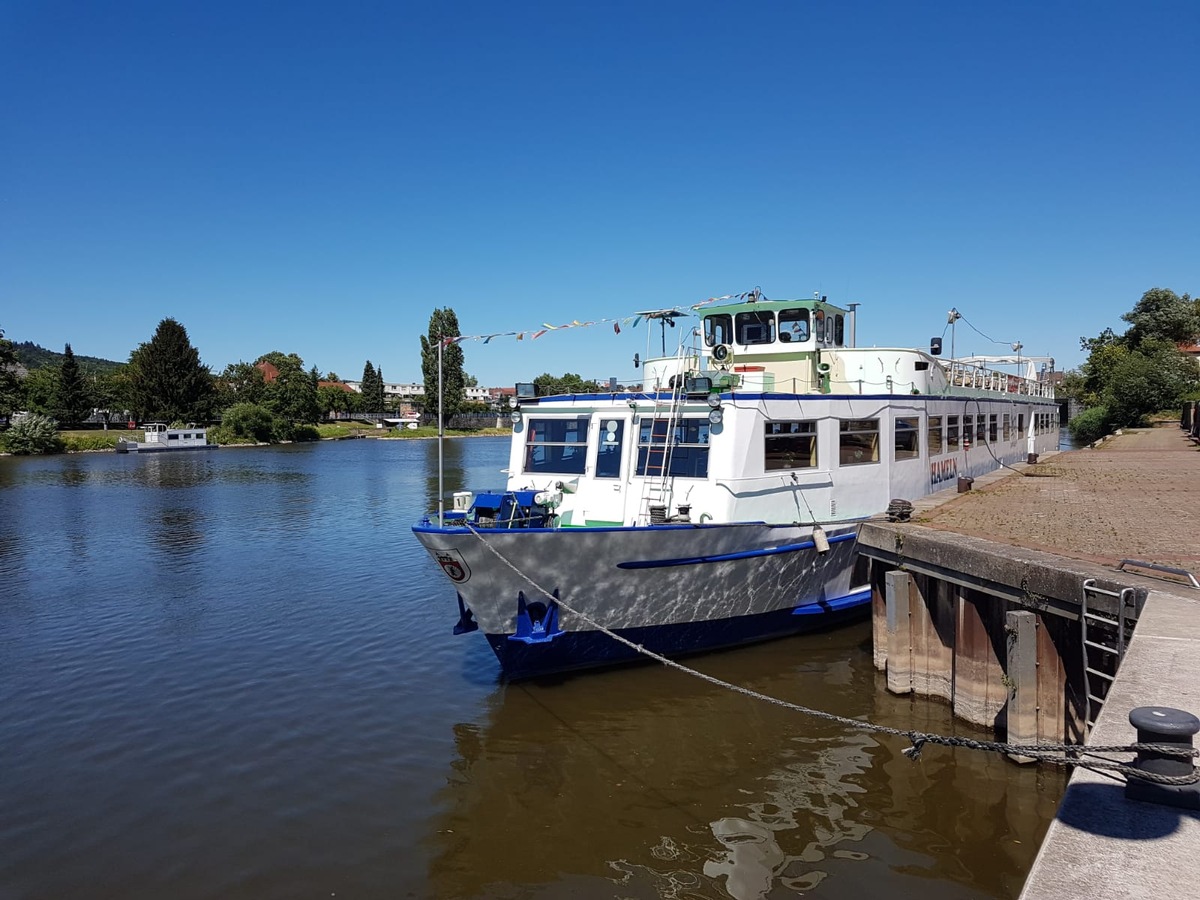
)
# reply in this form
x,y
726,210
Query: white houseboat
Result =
x,y
719,503
160,438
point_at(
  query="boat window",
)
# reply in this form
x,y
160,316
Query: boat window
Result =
x,y
829,330
718,330
907,437
790,445
688,446
608,453
1007,428
793,325
992,428
981,428
819,326
952,431
1020,424
755,327
839,330
858,441
935,435
556,446
172,437
968,432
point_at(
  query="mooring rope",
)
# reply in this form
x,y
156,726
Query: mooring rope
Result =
x,y
1040,752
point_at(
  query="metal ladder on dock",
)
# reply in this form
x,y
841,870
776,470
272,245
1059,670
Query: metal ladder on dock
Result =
x,y
1104,641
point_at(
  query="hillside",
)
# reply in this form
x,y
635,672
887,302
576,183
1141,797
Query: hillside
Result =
x,y
31,356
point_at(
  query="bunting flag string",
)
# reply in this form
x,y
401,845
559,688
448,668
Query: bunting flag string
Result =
x,y
630,321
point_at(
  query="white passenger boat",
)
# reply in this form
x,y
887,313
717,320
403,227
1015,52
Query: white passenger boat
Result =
x,y
718,504
160,438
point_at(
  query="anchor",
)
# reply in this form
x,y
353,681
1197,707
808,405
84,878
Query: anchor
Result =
x,y
536,622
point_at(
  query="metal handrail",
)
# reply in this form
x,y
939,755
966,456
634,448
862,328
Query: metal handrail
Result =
x,y
1159,568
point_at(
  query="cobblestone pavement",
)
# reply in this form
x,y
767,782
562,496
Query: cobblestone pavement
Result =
x,y
1137,496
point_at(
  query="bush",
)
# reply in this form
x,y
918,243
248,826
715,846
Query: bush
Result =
x,y
305,433
92,440
246,423
32,433
1090,425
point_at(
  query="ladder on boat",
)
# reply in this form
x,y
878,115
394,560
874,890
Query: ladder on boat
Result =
x,y
1104,641
656,486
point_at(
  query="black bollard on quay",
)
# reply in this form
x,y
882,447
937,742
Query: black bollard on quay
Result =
x,y
1172,728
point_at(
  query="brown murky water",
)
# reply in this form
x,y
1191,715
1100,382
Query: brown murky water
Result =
x,y
232,675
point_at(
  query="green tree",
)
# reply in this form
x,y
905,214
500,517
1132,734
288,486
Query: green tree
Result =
x,y
569,383
332,399
71,402
1127,377
1148,380
443,325
372,389
10,388
292,395
110,394
240,382
167,380
1161,315
39,390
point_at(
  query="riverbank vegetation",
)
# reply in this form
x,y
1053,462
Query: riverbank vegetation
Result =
x,y
1129,378
274,399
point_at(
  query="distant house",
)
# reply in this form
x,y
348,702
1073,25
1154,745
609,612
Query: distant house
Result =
x,y
1191,348
270,373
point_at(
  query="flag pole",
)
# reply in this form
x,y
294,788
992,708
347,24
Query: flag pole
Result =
x,y
441,436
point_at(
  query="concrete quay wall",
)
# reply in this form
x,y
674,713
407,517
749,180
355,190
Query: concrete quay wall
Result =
x,y
978,599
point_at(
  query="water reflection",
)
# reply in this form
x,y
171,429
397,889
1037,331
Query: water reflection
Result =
x,y
668,787
454,473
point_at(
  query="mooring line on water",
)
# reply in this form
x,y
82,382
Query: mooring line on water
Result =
x,y
918,739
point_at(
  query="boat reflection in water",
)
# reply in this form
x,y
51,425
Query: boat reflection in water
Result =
x,y
648,783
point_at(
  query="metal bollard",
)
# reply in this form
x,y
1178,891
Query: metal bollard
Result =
x,y
1172,728
964,483
1031,459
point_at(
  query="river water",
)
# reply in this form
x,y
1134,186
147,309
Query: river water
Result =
x,y
231,674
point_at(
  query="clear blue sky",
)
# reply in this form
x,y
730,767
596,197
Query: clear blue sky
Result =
x,y
316,178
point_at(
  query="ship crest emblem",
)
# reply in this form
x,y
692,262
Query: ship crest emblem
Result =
x,y
453,565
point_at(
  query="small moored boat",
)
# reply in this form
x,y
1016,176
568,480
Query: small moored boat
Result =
x,y
160,438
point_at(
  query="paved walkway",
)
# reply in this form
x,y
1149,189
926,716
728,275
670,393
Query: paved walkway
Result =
x,y
1137,496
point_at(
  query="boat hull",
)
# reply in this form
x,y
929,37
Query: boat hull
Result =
x,y
673,590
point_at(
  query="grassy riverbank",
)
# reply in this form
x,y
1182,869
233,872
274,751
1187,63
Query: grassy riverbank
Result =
x,y
87,439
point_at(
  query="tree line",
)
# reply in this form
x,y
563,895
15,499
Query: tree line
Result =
x,y
165,380
1129,377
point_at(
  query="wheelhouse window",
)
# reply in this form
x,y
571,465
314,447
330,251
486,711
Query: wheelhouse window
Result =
x,y
934,438
858,442
790,445
793,325
839,330
556,446
688,446
952,431
608,453
907,437
755,327
718,329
